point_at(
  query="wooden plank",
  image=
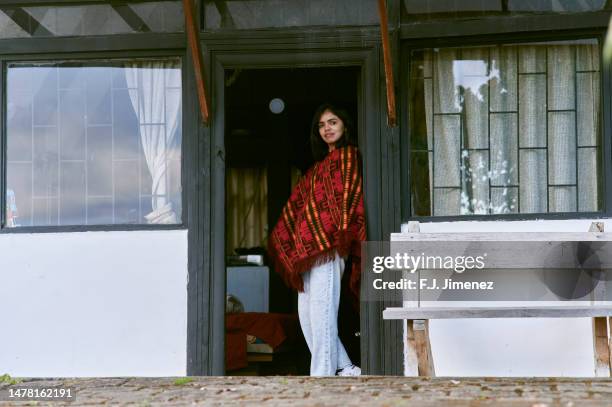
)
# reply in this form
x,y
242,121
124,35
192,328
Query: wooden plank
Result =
x,y
420,329
410,227
411,359
498,312
384,32
418,346
610,345
504,236
601,347
596,227
259,357
193,38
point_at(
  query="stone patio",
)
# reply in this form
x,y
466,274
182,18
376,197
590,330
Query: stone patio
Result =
x,y
307,391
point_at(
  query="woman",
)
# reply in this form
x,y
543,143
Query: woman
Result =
x,y
321,227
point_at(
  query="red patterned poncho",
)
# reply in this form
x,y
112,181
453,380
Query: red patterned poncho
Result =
x,y
324,214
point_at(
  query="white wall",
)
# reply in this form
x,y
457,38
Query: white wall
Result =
x,y
94,304
513,347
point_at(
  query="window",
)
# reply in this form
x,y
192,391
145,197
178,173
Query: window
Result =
x,y
253,14
124,17
426,10
93,143
506,129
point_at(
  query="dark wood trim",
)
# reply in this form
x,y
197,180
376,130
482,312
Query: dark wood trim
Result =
x,y
292,59
371,120
84,56
298,38
3,164
33,3
504,38
101,43
199,236
217,280
441,29
89,228
389,359
404,143
94,55
606,106
238,55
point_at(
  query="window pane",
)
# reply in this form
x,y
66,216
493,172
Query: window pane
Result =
x,y
251,14
419,10
506,129
93,19
94,143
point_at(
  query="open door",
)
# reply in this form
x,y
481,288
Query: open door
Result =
x,y
268,115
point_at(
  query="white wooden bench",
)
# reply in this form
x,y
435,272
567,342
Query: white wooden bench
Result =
x,y
417,346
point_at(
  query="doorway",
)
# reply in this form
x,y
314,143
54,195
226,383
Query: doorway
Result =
x,y
380,343
268,115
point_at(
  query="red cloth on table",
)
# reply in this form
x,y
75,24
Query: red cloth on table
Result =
x,y
274,329
235,349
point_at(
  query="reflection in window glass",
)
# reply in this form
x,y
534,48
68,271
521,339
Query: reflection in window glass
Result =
x,y
94,143
92,19
251,14
506,129
432,9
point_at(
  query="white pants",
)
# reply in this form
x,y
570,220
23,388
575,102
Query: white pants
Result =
x,y
318,312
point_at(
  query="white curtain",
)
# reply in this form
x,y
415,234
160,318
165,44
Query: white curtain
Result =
x,y
512,128
157,110
247,208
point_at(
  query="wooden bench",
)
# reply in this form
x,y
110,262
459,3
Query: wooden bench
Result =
x,y
417,345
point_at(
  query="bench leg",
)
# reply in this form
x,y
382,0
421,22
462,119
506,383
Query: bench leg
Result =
x,y
610,345
411,358
602,346
419,347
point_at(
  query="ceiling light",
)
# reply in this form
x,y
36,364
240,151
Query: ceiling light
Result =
x,y
277,105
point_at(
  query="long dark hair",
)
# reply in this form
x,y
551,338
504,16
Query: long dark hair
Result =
x,y
317,144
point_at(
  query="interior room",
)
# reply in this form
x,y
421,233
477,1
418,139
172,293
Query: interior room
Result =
x,y
268,114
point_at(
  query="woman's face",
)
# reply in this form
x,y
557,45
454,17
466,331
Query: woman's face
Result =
x,y
331,128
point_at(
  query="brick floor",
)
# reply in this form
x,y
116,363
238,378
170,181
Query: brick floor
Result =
x,y
339,391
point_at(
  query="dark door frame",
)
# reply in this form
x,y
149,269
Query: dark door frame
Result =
x,y
206,319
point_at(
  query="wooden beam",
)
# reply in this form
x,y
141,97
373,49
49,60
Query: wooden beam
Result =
x,y
552,311
610,346
420,329
131,18
26,21
384,32
411,367
193,39
601,347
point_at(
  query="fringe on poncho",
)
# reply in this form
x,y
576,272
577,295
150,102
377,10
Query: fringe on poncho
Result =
x,y
324,214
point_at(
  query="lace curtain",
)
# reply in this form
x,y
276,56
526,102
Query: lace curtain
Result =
x,y
505,129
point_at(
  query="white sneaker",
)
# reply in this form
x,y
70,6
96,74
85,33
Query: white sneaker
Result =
x,y
351,370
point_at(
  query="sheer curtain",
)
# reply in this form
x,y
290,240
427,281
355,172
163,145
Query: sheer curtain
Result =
x,y
158,115
247,207
509,129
